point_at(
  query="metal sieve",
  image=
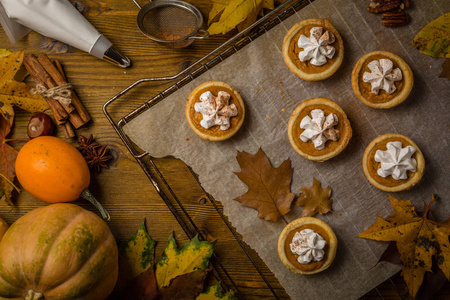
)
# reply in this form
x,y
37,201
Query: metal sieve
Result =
x,y
171,22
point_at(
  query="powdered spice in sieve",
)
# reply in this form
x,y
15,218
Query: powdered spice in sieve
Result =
x,y
171,22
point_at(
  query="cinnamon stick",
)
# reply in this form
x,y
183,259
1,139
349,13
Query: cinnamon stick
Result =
x,y
60,69
76,120
57,74
46,78
58,111
68,130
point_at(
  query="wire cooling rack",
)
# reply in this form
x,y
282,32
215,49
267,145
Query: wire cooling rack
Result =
x,y
166,192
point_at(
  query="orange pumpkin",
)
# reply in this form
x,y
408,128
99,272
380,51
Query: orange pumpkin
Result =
x,y
52,170
60,251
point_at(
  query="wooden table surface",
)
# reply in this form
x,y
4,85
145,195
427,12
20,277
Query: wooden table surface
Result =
x,y
124,189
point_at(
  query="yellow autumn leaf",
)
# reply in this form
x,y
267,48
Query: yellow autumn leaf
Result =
x,y
268,4
215,293
418,240
235,13
251,18
175,261
215,12
222,2
14,93
4,52
434,38
135,257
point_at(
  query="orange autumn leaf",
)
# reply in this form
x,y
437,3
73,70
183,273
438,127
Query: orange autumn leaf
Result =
x,y
7,159
268,187
418,240
14,93
315,199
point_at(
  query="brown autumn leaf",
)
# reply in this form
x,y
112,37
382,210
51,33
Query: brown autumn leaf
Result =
x,y
315,199
7,160
14,93
418,240
446,69
268,188
187,286
142,287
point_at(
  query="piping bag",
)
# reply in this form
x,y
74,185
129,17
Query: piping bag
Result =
x,y
60,20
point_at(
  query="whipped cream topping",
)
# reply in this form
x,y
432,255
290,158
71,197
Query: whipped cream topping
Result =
x,y
308,245
382,75
319,129
396,160
215,110
317,47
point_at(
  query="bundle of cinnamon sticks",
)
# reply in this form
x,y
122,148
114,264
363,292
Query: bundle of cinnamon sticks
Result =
x,y
51,75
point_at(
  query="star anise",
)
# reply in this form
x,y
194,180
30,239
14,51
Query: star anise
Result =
x,y
87,145
94,153
98,158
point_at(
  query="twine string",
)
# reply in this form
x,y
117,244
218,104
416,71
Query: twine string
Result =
x,y
61,93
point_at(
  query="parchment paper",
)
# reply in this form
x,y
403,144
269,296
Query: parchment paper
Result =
x,y
259,73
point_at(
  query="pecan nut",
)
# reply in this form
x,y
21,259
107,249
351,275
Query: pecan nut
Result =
x,y
378,6
392,19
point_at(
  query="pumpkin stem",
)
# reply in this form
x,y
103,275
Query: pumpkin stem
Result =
x,y
32,295
86,194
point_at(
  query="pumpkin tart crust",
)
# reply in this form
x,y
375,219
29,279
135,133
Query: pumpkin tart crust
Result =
x,y
384,100
290,260
306,70
214,133
307,149
389,184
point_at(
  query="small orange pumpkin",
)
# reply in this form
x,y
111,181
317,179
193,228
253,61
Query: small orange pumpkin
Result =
x,y
60,251
54,171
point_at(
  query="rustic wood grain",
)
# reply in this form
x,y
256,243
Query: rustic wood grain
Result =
x,y
124,189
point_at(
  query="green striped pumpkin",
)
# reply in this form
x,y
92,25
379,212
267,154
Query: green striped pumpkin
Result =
x,y
60,251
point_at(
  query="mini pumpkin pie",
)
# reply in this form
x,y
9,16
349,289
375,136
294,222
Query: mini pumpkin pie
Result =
x,y
393,162
381,79
313,49
318,129
307,246
215,111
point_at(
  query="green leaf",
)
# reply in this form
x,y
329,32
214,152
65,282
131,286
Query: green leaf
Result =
x,y
215,292
175,261
135,257
434,38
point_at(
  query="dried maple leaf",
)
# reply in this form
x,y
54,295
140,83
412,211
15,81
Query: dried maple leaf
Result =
x,y
186,286
446,69
7,160
268,188
418,239
315,199
14,93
